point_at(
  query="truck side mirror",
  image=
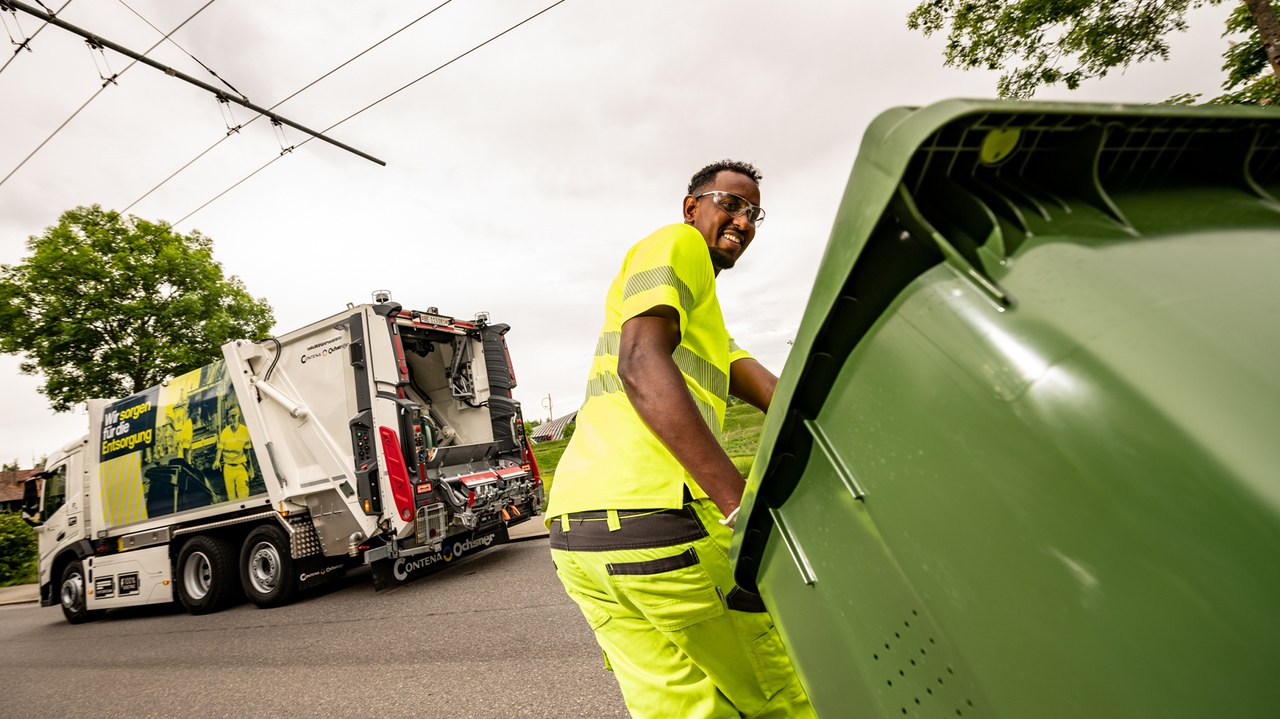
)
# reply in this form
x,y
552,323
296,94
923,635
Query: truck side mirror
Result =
x,y
31,503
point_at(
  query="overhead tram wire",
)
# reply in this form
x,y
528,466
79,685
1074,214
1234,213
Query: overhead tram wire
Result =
x,y
370,105
26,42
105,83
443,66
304,88
101,42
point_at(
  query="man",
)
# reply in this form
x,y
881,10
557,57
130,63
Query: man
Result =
x,y
182,432
233,456
644,498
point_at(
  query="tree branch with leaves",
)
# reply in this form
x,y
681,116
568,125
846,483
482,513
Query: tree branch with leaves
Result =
x,y
107,305
1041,43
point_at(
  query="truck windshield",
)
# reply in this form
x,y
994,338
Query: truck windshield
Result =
x,y
55,490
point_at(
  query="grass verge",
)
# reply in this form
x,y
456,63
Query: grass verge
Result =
x,y
740,439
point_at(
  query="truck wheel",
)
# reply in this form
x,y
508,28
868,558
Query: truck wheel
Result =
x,y
206,574
266,567
71,594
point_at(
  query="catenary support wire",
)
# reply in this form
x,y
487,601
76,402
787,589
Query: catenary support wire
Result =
x,y
371,105
183,49
104,67
301,90
228,117
26,44
99,91
184,77
22,39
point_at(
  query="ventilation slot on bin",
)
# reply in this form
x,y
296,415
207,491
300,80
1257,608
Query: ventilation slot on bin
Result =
x,y
916,681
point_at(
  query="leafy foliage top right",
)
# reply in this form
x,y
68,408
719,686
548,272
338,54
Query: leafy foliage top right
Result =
x,y
1039,43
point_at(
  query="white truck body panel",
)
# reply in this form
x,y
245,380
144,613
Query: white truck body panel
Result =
x,y
138,577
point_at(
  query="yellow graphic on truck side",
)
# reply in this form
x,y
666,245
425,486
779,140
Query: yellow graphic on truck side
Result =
x,y
176,447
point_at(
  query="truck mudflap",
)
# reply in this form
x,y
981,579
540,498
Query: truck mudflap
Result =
x,y
401,570
316,570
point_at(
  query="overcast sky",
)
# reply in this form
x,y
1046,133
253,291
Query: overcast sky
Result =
x,y
516,177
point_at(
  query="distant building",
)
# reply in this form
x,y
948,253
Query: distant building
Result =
x,y
553,430
11,481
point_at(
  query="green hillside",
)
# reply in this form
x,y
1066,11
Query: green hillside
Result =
x,y
741,437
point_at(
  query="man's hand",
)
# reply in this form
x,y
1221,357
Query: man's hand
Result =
x,y
658,392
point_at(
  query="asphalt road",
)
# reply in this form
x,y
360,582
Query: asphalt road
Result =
x,y
493,636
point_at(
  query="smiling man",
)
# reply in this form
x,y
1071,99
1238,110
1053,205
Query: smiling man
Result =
x,y
643,501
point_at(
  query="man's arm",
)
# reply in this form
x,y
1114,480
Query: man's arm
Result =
x,y
657,390
750,382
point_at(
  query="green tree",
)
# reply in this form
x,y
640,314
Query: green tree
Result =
x,y
1251,64
1038,43
107,305
17,550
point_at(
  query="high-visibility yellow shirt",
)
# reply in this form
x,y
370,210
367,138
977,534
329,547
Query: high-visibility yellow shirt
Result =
x,y
233,443
614,460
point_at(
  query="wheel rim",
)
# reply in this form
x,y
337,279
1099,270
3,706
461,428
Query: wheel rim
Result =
x,y
264,567
197,575
73,592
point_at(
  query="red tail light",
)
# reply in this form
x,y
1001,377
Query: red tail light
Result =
x,y
397,473
527,452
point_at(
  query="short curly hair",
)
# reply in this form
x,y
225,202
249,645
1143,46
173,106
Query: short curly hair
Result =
x,y
707,174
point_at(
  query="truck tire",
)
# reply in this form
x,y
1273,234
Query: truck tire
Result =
x,y
72,597
267,567
206,574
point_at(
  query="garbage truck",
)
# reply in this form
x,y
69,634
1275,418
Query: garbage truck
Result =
x,y
1023,459
378,436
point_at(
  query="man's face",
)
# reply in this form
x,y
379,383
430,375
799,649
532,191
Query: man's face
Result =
x,y
727,236
234,417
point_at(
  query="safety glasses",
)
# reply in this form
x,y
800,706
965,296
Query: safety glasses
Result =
x,y
735,206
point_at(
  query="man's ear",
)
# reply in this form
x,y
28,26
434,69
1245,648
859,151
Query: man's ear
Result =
x,y
690,204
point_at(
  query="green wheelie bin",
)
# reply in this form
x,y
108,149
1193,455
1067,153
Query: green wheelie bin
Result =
x,y
1024,458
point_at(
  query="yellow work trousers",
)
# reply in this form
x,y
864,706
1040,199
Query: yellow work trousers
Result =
x,y
236,478
657,589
